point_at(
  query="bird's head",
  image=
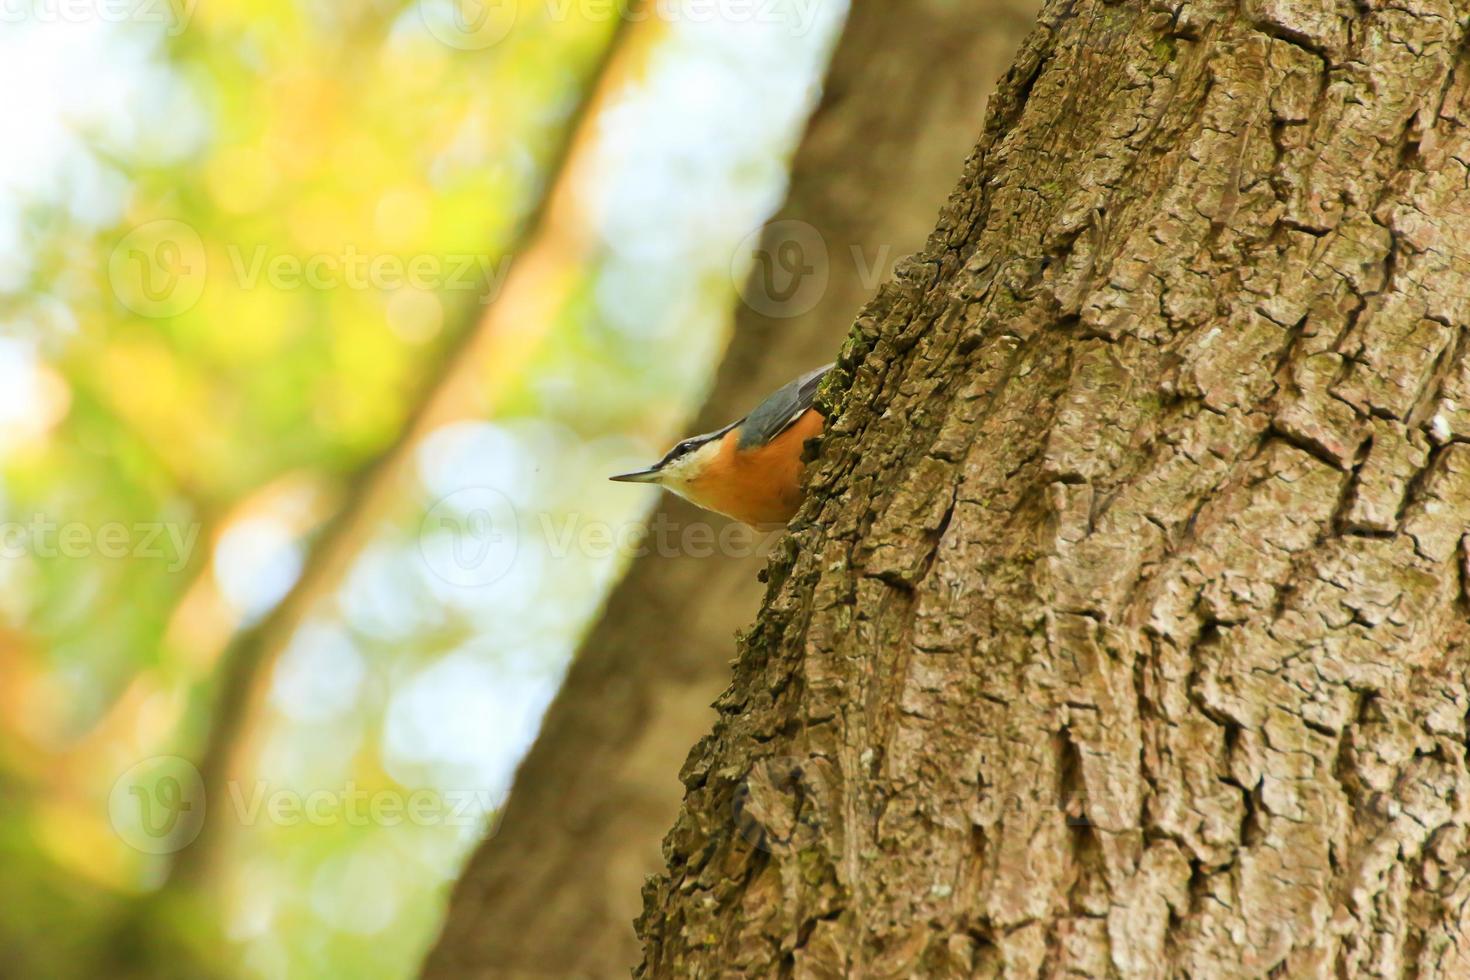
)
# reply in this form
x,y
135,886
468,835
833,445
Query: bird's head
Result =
x,y
682,467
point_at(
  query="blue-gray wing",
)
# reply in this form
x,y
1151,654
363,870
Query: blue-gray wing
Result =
x,y
774,415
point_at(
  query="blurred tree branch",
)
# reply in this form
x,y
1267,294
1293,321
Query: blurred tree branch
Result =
x,y
450,392
555,891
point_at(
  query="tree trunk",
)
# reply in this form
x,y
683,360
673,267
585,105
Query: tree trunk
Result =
x,y
555,891
1129,636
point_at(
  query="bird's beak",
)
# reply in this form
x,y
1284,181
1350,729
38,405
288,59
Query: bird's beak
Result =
x,y
649,475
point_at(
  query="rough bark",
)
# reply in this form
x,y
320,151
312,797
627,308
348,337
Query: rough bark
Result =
x,y
1129,634
555,891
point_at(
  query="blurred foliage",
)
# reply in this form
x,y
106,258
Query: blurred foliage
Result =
x,y
264,235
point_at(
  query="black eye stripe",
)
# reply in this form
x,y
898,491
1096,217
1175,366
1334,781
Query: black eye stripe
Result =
x,y
680,449
685,446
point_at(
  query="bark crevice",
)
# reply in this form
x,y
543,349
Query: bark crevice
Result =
x,y
1179,689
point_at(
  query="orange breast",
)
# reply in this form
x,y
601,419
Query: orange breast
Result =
x,y
760,485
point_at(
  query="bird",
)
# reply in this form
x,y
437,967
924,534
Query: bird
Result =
x,y
749,470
